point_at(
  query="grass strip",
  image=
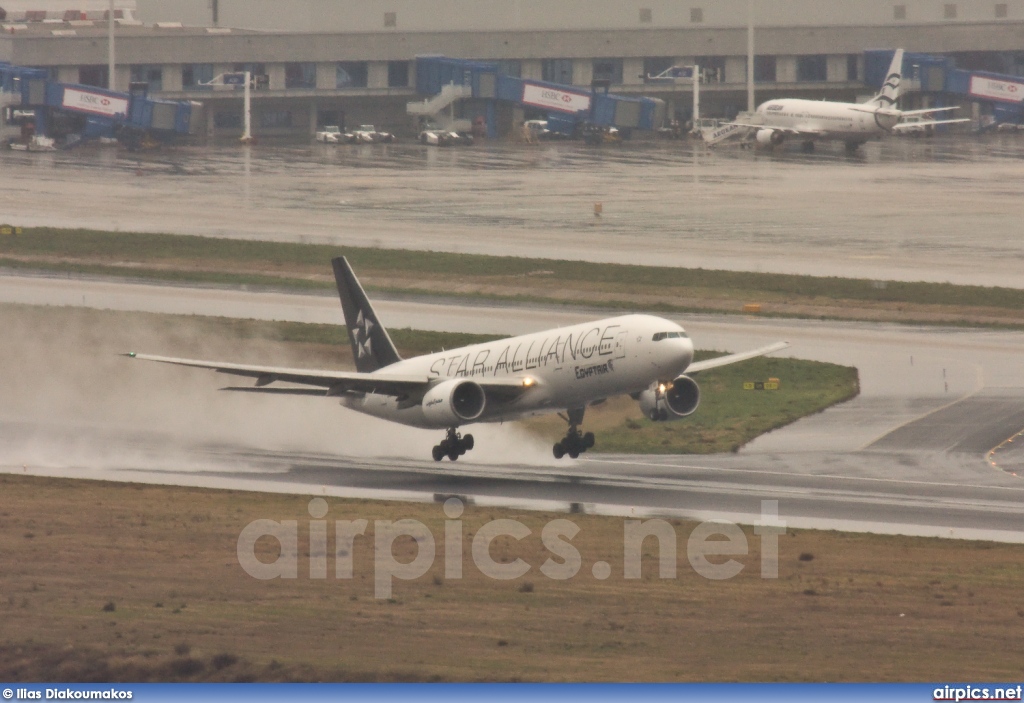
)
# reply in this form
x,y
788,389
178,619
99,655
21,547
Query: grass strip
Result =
x,y
277,259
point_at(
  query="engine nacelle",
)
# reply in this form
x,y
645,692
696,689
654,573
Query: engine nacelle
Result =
x,y
454,402
769,137
678,399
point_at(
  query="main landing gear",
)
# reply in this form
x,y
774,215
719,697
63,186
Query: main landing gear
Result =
x,y
574,443
453,445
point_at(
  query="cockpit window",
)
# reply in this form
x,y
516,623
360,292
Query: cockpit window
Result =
x,y
669,335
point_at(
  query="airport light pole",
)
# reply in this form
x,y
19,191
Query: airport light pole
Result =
x,y
696,95
247,106
110,46
750,56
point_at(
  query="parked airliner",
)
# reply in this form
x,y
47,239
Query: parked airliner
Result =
x,y
852,123
560,370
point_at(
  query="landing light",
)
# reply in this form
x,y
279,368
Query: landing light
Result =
x,y
527,382
661,388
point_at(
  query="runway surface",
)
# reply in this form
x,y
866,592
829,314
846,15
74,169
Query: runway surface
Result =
x,y
934,209
909,455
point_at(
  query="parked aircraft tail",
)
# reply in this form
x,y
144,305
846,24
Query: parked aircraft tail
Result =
x,y
372,347
890,92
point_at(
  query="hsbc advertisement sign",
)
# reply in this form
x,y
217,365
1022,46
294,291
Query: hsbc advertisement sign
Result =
x,y
992,89
96,103
551,99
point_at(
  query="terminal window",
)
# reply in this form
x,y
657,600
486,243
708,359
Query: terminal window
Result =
x,y
811,68
646,16
510,67
153,75
659,64
696,14
852,72
194,74
764,69
398,74
93,75
712,68
899,12
556,71
257,72
608,69
300,75
1001,9
351,74
949,11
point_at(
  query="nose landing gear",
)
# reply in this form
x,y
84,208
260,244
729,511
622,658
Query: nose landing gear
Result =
x,y
574,443
452,446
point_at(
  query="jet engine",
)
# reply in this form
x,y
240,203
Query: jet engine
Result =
x,y
453,402
769,137
670,402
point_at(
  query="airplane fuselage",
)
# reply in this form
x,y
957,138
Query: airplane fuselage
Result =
x,y
830,120
567,367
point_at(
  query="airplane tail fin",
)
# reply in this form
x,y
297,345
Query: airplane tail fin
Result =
x,y
372,348
890,92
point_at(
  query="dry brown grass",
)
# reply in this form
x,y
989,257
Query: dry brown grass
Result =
x,y
864,608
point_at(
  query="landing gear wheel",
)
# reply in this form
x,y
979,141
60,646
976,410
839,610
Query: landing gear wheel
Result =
x,y
574,443
453,445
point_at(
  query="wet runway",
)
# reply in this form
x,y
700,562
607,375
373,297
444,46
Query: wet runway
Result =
x,y
908,455
942,209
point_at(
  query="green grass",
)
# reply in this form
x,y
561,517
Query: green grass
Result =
x,y
272,262
728,416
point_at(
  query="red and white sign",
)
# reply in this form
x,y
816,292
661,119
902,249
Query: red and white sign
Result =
x,y
96,103
992,89
551,99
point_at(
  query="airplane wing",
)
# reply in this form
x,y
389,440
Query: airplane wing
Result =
x,y
904,126
335,383
733,358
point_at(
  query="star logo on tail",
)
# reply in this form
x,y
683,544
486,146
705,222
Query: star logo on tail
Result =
x,y
361,335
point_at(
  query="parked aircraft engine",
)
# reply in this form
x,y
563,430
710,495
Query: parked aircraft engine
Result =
x,y
454,402
769,137
672,401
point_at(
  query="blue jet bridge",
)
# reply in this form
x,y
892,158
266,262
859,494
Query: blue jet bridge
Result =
x,y
568,108
74,113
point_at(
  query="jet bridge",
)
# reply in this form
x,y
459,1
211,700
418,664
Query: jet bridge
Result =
x,y
72,113
481,86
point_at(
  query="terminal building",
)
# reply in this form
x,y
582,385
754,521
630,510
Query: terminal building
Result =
x,y
347,62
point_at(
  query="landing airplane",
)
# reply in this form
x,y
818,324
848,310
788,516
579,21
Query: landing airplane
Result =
x,y
564,369
853,123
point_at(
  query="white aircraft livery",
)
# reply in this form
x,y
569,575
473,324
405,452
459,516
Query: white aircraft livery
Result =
x,y
853,123
560,370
